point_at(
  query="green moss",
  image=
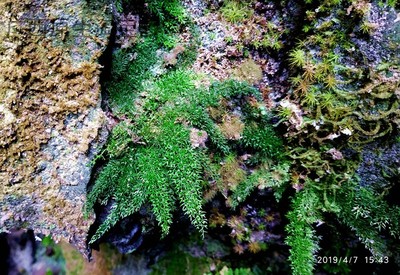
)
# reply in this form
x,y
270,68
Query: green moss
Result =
x,y
152,159
178,262
249,71
235,11
340,107
162,166
262,138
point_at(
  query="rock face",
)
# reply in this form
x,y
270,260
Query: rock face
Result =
x,y
51,122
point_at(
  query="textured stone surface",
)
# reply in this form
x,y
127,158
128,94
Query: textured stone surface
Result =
x,y
383,42
380,165
51,123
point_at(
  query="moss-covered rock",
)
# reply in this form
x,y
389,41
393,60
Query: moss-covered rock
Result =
x,y
50,117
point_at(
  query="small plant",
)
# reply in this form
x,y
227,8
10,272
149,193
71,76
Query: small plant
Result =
x,y
297,58
235,11
301,235
367,28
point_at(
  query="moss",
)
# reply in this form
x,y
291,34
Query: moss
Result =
x,y
231,127
181,263
45,84
231,173
154,157
249,71
335,112
236,11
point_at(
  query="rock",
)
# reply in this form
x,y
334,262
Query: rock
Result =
x,y
51,122
383,43
126,235
198,138
380,166
17,252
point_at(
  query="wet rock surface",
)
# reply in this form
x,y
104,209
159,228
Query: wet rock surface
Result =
x,y
380,165
50,116
382,44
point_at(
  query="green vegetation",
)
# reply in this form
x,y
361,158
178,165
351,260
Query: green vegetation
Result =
x,y
157,154
302,238
180,143
178,262
236,11
155,159
339,113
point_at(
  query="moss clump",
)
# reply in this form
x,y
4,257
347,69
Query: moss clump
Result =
x,y
153,156
249,71
231,127
235,11
335,106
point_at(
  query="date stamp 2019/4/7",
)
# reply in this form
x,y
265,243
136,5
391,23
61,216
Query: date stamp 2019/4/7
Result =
x,y
351,260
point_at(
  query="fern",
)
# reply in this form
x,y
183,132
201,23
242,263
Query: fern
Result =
x,y
152,160
128,74
117,179
165,168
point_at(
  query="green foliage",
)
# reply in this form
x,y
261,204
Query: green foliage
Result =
x,y
235,11
128,74
341,107
333,97
178,262
367,213
263,139
301,235
276,177
362,209
169,14
298,58
153,160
